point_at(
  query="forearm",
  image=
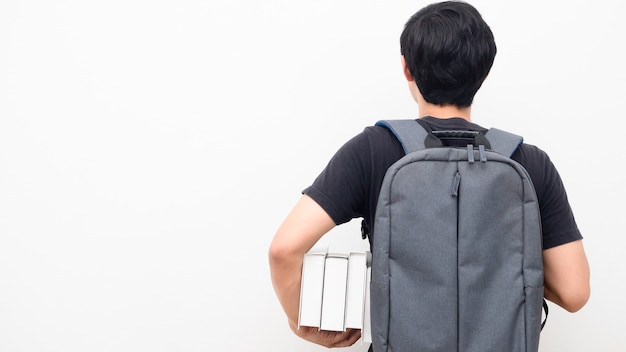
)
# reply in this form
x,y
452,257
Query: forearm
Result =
x,y
286,271
286,277
551,296
303,227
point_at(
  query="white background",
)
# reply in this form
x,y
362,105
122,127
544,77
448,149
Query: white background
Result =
x,y
150,149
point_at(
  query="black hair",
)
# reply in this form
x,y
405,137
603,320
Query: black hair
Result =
x,y
449,50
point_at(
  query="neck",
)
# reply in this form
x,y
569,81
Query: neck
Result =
x,y
443,112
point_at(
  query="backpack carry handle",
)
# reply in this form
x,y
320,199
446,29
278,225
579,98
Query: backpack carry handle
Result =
x,y
441,138
455,134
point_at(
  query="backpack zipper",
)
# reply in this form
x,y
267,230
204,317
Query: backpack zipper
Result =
x,y
455,184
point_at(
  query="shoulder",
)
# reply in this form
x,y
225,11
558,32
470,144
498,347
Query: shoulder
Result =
x,y
379,135
558,223
372,143
384,147
538,164
530,152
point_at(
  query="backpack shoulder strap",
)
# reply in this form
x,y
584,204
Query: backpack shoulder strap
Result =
x,y
409,132
412,136
503,142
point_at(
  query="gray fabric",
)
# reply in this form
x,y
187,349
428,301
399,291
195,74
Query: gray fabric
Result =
x,y
457,256
410,133
503,142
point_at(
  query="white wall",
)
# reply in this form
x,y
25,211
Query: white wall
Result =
x,y
150,149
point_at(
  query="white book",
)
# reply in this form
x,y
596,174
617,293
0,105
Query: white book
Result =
x,y
334,296
355,295
311,289
366,332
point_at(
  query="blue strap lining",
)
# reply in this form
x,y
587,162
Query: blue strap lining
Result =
x,y
410,133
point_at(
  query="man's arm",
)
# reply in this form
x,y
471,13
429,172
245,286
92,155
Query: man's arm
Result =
x,y
304,226
566,275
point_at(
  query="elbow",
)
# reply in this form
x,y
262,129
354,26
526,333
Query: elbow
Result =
x,y
573,300
567,276
576,302
280,254
574,307
276,254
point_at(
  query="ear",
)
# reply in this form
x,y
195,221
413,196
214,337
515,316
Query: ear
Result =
x,y
405,69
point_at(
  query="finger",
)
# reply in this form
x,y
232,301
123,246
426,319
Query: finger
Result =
x,y
348,338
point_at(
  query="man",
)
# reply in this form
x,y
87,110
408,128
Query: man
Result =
x,y
447,51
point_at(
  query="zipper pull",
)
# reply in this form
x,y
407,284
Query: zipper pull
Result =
x,y
483,155
455,184
470,153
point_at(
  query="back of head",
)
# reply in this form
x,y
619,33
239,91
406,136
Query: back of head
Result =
x,y
449,50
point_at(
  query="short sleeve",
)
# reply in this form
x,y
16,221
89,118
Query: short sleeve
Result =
x,y
340,189
557,218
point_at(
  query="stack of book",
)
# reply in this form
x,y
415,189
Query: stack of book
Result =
x,y
334,295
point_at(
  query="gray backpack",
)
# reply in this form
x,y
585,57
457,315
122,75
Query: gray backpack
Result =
x,y
457,247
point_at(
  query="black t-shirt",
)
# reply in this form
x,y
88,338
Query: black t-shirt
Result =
x,y
349,185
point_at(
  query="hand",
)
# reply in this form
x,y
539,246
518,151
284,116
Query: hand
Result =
x,y
327,338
